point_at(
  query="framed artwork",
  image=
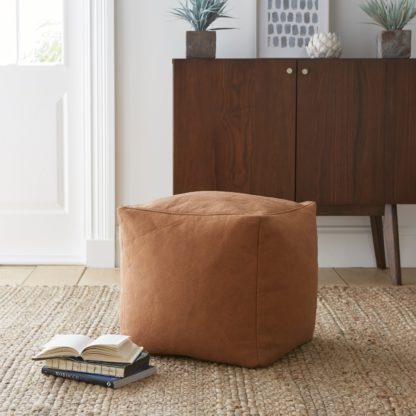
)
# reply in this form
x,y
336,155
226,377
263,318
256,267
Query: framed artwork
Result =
x,y
284,27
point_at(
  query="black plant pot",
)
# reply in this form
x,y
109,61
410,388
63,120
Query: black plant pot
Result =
x,y
201,44
394,44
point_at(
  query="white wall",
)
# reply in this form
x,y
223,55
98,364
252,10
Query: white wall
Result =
x,y
147,38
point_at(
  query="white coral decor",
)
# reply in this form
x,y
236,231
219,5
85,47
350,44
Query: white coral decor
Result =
x,y
324,45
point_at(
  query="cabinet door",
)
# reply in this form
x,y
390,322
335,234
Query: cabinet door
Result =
x,y
234,126
400,131
341,120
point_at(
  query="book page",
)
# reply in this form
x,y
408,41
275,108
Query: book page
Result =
x,y
76,342
110,340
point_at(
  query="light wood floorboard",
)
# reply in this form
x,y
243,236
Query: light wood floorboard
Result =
x,y
365,277
409,276
79,275
329,277
14,275
100,277
55,276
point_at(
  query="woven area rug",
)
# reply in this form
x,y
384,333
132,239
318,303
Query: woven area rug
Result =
x,y
361,362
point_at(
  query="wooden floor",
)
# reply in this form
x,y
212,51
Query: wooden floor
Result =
x,y
79,275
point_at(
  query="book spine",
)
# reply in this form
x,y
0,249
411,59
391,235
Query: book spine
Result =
x,y
84,367
86,378
137,366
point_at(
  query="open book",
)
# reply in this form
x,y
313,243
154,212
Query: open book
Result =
x,y
108,348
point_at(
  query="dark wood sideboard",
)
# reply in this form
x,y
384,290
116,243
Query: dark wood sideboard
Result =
x,y
341,132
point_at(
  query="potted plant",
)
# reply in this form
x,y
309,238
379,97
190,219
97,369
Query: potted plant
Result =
x,y
201,14
393,16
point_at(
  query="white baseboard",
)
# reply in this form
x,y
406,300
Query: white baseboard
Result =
x,y
101,253
353,246
40,260
118,247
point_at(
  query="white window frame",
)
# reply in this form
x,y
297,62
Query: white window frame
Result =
x,y
18,41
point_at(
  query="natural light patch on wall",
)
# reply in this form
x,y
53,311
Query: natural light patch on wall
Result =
x,y
31,32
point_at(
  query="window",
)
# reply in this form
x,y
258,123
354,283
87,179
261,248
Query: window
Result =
x,y
31,32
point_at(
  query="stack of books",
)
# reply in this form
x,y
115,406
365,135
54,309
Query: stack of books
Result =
x,y
110,360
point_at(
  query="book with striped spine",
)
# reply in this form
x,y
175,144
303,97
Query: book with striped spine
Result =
x,y
101,368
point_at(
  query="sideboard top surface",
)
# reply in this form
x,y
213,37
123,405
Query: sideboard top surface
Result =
x,y
293,59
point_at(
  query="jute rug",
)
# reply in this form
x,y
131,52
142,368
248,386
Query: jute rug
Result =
x,y
362,361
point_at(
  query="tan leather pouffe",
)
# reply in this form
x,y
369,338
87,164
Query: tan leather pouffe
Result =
x,y
218,276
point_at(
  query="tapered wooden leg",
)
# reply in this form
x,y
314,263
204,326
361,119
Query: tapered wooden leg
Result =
x,y
378,240
391,235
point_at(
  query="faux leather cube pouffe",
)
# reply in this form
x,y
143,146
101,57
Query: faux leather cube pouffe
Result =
x,y
218,276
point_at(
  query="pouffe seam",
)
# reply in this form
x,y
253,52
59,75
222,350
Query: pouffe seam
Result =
x,y
272,214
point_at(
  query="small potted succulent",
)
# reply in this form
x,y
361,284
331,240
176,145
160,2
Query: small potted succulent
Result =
x,y
393,16
201,14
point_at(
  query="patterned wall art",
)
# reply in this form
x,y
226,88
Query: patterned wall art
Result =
x,y
284,27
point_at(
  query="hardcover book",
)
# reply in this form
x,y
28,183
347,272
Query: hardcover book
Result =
x,y
106,381
96,367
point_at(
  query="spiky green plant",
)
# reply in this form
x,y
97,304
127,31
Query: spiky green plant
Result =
x,y
201,14
390,14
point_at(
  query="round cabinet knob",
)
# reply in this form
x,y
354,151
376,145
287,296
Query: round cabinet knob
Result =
x,y
305,71
289,71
